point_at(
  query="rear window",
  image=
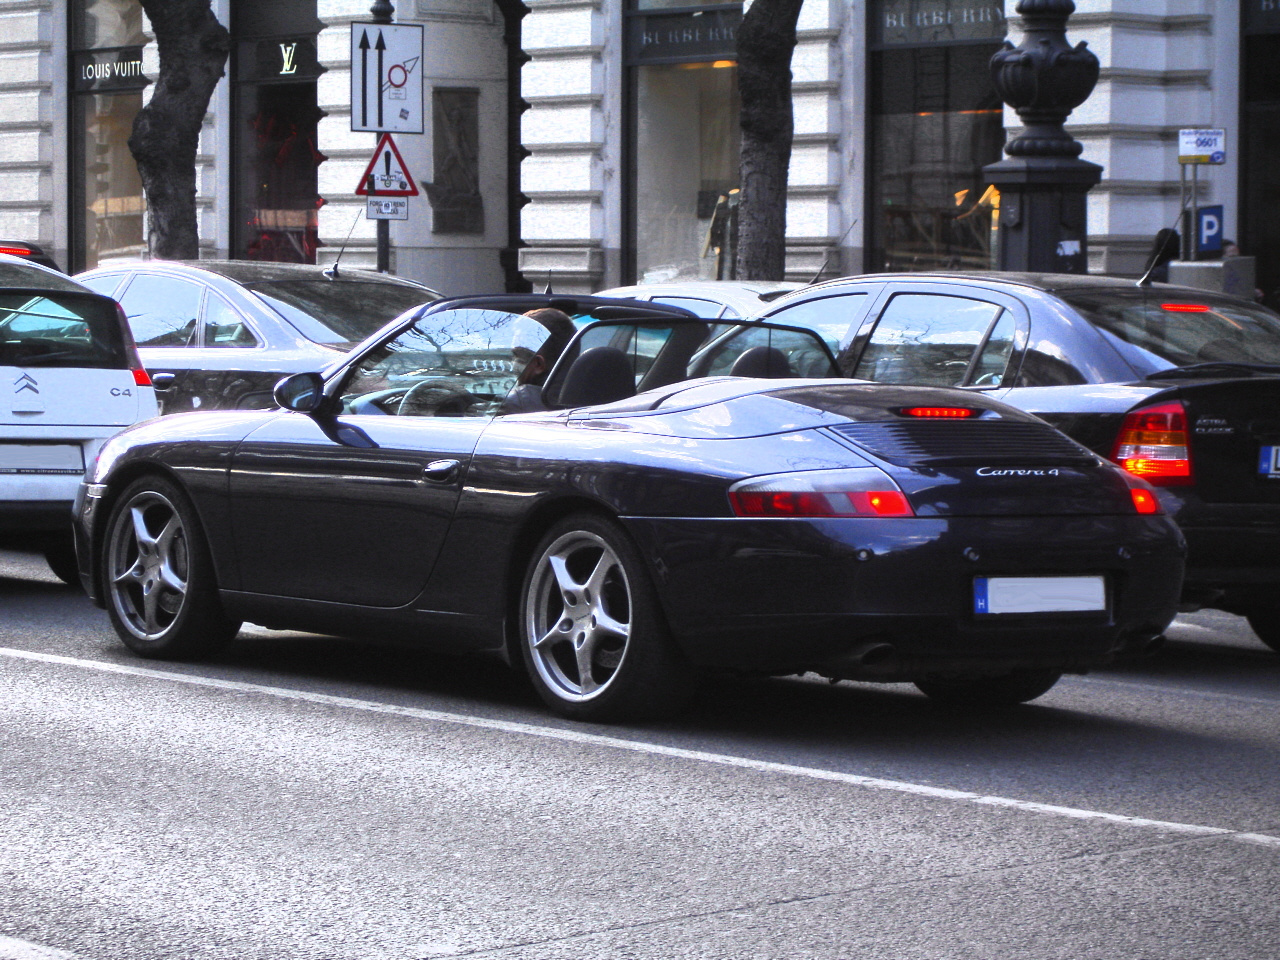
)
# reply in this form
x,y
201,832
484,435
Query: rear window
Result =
x,y
327,311
1158,330
43,329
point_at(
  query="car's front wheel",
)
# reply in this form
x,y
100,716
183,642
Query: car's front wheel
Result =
x,y
592,634
1003,690
162,595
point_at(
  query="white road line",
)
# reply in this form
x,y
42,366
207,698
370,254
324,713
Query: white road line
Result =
x,y
11,949
700,756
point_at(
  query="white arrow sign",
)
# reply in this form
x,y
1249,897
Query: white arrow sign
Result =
x,y
386,77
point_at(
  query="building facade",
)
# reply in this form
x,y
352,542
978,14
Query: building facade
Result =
x,y
582,144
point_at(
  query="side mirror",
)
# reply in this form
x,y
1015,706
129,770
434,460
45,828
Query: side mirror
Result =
x,y
300,392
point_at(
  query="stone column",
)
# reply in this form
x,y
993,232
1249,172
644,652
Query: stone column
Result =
x,y
1043,183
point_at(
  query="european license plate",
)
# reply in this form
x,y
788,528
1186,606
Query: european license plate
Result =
x,y
41,458
1039,594
1269,461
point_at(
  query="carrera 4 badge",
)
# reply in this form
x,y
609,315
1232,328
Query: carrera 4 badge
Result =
x,y
1016,472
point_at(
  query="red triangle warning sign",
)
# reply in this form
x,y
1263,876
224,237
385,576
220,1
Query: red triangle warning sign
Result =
x,y
386,175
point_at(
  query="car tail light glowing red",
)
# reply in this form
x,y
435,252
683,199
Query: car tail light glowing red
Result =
x,y
1185,307
1154,444
140,376
857,492
1144,501
941,413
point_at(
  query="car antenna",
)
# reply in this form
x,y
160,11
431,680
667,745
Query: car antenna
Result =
x,y
548,289
827,258
1164,250
332,272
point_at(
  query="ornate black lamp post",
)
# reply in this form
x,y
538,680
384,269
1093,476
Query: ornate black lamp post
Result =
x,y
1043,182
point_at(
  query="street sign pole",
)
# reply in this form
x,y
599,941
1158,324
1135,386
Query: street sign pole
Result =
x,y
382,12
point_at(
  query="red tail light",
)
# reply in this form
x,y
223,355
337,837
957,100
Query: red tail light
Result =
x,y
1144,501
1185,307
1154,444
858,492
140,376
947,413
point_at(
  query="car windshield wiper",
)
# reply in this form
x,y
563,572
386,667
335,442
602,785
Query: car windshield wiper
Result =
x,y
1215,368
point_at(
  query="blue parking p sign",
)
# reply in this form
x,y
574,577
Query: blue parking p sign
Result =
x,y
1209,229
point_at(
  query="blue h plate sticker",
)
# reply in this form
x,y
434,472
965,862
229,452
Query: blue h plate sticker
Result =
x,y
981,604
1269,461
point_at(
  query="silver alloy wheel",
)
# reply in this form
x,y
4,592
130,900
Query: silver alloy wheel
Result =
x,y
578,616
148,565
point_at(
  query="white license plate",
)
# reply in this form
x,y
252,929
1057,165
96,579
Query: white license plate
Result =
x,y
1269,461
1039,594
41,458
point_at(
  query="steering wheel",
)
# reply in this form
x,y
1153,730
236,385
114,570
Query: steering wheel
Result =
x,y
435,398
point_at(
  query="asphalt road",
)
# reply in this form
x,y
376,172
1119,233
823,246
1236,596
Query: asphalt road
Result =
x,y
303,797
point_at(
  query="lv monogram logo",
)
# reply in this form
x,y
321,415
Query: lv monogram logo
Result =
x,y
287,52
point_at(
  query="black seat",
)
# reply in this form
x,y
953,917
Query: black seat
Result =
x,y
761,361
599,375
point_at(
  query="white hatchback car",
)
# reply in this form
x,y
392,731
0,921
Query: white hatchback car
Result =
x,y
71,378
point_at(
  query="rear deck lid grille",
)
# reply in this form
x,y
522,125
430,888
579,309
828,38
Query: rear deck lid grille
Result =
x,y
950,442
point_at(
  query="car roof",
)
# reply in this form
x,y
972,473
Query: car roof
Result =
x,y
1046,282
27,274
260,271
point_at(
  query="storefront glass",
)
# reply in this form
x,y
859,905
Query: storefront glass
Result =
x,y
685,143
108,207
687,150
935,121
276,148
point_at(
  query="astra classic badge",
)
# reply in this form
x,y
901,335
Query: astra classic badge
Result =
x,y
1016,472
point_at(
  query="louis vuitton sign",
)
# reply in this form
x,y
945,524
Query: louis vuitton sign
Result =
x,y
101,71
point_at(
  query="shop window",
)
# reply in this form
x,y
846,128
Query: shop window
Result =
x,y
687,150
276,126
935,121
108,207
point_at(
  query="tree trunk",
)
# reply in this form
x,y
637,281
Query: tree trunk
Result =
x,y
193,48
766,39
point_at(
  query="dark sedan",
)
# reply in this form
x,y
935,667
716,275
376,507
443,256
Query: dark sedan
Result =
x,y
671,503
218,334
1179,386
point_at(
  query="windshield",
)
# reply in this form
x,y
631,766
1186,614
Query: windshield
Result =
x,y
60,330
1158,330
338,312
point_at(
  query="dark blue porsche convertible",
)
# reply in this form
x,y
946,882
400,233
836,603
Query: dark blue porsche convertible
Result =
x,y
621,498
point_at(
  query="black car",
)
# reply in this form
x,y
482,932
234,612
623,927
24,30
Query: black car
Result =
x,y
670,504
218,334
1180,386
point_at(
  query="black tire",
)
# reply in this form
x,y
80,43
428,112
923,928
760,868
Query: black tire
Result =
x,y
591,630
158,579
61,558
1265,622
1004,690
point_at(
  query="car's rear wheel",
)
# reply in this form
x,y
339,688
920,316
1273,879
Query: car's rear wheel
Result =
x,y
162,595
1265,622
1003,690
592,634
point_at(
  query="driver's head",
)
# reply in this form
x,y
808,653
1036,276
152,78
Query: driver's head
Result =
x,y
557,329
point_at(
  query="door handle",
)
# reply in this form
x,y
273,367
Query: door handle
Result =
x,y
163,381
441,471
